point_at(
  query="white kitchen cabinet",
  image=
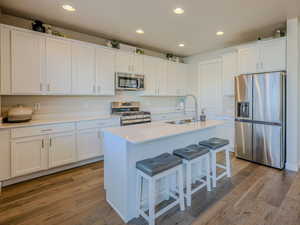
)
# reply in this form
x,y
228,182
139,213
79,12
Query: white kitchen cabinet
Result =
x,y
263,56
210,86
89,143
5,61
229,71
124,62
105,71
138,64
155,71
5,155
181,79
28,155
62,149
272,55
83,69
58,66
176,79
248,59
27,55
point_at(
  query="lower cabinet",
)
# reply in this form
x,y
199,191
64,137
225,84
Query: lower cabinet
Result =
x,y
62,149
89,144
28,155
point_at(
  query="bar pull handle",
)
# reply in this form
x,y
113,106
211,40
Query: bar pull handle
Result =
x,y
43,144
50,142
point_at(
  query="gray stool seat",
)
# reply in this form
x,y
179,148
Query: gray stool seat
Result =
x,y
214,143
158,164
191,152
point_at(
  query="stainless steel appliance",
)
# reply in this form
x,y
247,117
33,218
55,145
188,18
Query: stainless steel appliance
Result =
x,y
260,118
129,82
130,113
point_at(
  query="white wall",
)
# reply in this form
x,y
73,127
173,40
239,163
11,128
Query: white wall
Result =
x,y
293,96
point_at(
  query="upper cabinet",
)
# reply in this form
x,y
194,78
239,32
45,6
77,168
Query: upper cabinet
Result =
x,y
263,56
58,66
155,70
176,79
127,62
229,71
105,71
5,61
27,54
83,69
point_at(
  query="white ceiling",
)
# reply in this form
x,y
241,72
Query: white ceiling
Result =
x,y
241,20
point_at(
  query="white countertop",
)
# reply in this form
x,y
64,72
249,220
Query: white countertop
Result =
x,y
37,122
156,130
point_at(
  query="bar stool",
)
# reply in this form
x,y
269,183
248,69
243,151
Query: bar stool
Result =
x,y
191,155
216,145
153,169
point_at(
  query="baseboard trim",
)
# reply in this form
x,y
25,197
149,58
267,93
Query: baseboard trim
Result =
x,y
292,166
15,180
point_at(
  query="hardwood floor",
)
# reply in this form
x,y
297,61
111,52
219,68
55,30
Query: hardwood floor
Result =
x,y
255,195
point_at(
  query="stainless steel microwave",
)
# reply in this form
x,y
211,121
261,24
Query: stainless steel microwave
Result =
x,y
129,82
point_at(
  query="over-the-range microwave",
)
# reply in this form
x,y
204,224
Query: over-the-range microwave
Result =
x,y
129,82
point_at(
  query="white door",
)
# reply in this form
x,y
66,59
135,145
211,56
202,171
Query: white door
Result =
x,y
272,55
151,70
162,77
138,64
105,71
124,62
89,144
62,149
172,76
28,155
27,54
83,69
248,59
210,90
229,71
58,66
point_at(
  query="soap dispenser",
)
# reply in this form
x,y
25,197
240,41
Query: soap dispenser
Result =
x,y
203,116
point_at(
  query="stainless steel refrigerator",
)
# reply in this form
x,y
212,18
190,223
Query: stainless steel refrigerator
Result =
x,y
260,106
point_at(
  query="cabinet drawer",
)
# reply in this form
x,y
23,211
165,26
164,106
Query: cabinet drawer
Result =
x,y
41,130
97,123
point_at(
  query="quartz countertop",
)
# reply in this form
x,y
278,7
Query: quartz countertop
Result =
x,y
156,130
38,122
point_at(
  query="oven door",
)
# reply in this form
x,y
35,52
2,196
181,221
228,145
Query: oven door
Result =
x,y
129,82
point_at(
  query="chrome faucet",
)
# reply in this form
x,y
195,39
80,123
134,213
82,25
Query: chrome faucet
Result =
x,y
196,118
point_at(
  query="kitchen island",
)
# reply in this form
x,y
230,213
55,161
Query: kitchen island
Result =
x,y
124,146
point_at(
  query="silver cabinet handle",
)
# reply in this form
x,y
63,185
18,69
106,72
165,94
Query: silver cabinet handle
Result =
x,y
50,142
99,88
46,130
48,87
94,88
43,143
41,87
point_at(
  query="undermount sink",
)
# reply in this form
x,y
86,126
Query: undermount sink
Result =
x,y
180,122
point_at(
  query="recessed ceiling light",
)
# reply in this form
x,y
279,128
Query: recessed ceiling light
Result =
x,y
181,45
220,33
69,8
139,31
178,11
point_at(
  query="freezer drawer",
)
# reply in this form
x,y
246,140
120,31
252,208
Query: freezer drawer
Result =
x,y
243,140
268,97
268,145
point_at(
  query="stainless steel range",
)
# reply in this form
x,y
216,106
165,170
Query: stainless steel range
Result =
x,y
130,113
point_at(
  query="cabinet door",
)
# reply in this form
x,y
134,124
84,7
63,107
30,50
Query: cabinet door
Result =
x,y
138,64
273,55
151,69
162,77
172,82
28,155
229,71
181,79
124,62
248,59
89,144
58,66
62,149
5,61
83,69
28,54
105,71
5,158
210,90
